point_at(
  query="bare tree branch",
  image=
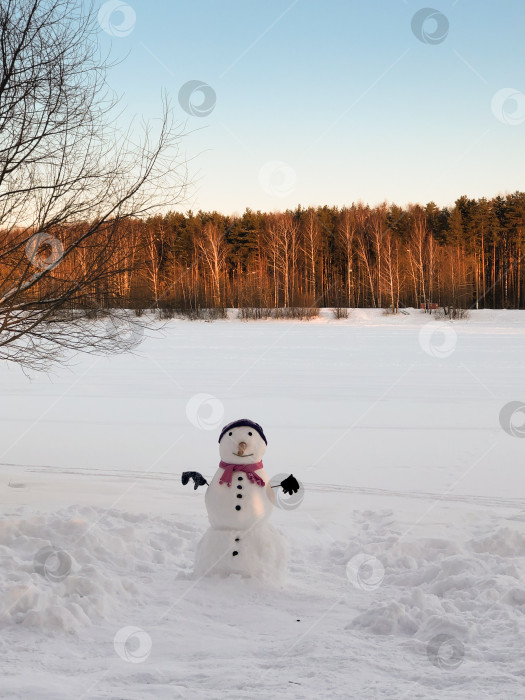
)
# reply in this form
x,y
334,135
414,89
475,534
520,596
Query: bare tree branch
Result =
x,y
70,177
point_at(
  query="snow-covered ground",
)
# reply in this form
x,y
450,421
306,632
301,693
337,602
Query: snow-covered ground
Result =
x,y
406,556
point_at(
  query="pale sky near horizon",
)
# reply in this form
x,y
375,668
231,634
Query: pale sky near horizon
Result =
x,y
317,102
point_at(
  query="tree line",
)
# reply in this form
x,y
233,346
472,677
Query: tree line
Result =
x,y
468,256
83,228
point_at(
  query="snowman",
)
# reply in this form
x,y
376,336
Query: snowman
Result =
x,y
239,501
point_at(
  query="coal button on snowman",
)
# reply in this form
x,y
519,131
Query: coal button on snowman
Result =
x,y
242,445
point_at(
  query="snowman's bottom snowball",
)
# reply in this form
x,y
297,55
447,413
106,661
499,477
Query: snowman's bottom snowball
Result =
x,y
261,553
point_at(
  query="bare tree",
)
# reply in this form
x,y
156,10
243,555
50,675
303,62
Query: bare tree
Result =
x,y
364,253
311,240
376,226
155,244
281,240
417,250
345,235
69,177
390,275
212,247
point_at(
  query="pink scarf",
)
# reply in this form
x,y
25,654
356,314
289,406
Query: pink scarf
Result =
x,y
248,469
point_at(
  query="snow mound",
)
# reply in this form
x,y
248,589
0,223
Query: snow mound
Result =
x,y
435,589
77,567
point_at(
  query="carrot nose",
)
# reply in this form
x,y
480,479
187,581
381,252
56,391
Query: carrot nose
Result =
x,y
242,446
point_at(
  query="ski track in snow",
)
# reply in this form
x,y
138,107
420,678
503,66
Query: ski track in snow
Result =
x,y
401,537
309,486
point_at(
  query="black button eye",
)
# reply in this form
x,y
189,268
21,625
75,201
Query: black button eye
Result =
x,y
229,433
250,433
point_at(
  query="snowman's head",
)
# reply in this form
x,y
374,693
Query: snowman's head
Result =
x,y
242,442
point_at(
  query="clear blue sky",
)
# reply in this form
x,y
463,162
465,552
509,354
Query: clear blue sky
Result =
x,y
342,92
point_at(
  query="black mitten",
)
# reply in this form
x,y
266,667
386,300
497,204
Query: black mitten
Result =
x,y
198,479
290,485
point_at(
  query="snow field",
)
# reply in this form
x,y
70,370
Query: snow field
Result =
x,y
406,556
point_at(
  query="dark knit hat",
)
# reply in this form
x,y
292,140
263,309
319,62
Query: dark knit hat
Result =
x,y
244,422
